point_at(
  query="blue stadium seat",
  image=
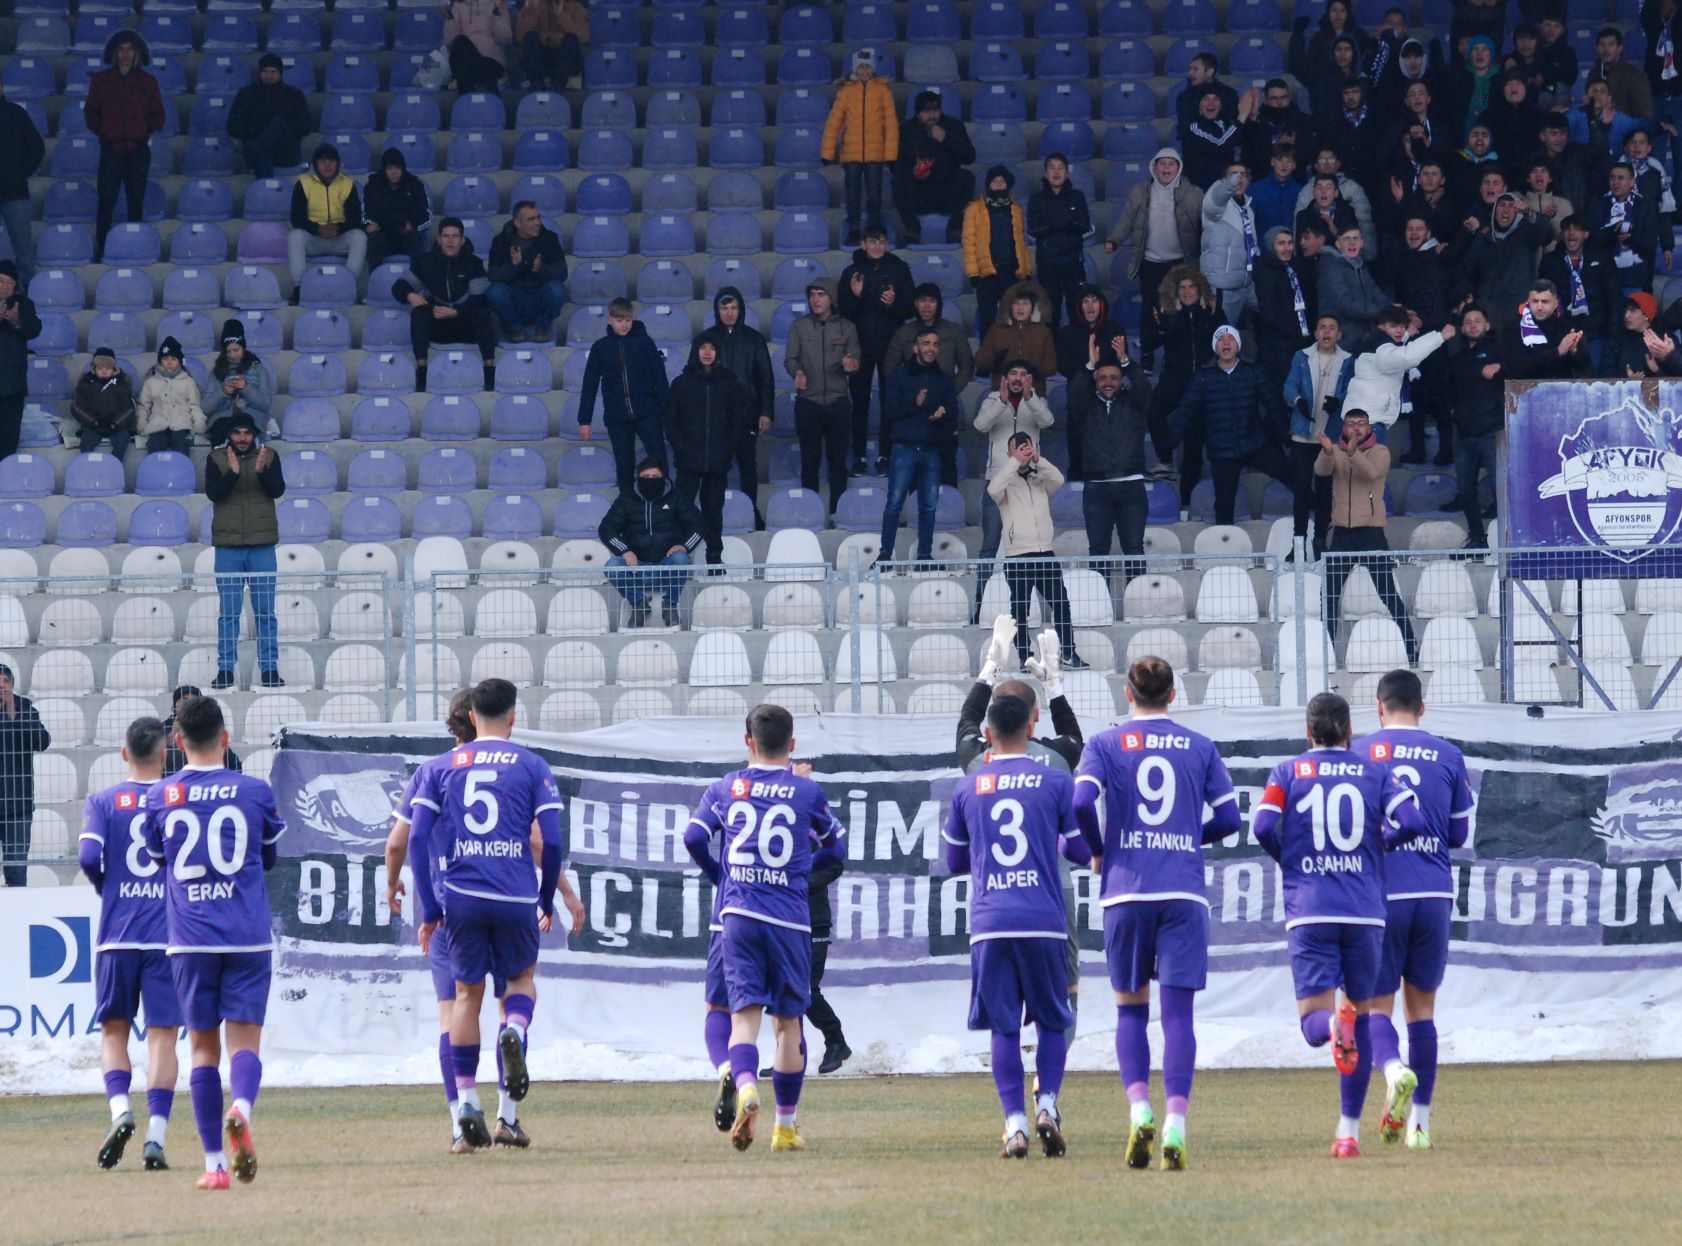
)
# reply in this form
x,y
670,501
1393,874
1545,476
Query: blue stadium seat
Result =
x,y
345,112
670,149
669,193
664,282
194,331
669,323
95,475
198,244
191,289
791,277
601,237
317,376
445,470
596,283
541,151
75,157
321,329
167,34
740,28
1188,17
473,151
604,194
123,289
584,326
356,31
386,372
455,371
800,233
376,472
299,71
605,149
57,337
221,75
30,77
799,147
804,508
349,74
1063,101
999,101
673,108
310,473
205,199
802,106
374,519
1128,101
739,67
380,419
471,195
87,525
1125,19
616,27
386,328
1254,17
995,62
520,417
935,21
451,417
79,73
1062,62
932,64
608,110
1130,142
23,526
122,332
609,69
479,110
998,143
57,289
91,31
515,470
413,111
800,190
1256,56
868,24
731,192
513,517
47,378
738,108
356,157
263,242
294,32
163,156
1061,19
806,25
304,521
442,516
420,153
418,30
806,66
73,202
734,233
1074,139
943,270
548,193
134,244
675,67
210,156
584,467
524,372
26,476
1182,50
543,110
165,474
737,148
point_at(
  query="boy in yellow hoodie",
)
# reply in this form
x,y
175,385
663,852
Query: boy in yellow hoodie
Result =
x,y
863,134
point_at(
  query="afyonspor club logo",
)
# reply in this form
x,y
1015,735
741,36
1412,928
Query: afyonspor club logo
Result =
x,y
1623,489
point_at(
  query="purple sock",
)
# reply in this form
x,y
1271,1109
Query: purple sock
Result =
x,y
518,1010
718,1037
159,1102
1008,1074
117,1082
205,1084
785,1088
1179,1046
1317,1027
744,1064
465,1058
1386,1045
1354,1085
1422,1058
1049,1058
446,1066
1133,1050
245,1075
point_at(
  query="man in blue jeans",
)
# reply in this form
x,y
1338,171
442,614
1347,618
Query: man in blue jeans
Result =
x,y
243,481
528,273
922,403
653,531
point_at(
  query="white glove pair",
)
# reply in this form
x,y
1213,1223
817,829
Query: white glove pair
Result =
x,y
1046,665
1001,650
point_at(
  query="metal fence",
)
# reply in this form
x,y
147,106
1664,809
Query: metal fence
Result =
x,y
589,644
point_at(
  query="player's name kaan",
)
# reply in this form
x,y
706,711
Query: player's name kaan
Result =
x,y
140,891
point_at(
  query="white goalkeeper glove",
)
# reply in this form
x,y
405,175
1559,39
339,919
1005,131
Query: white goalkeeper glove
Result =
x,y
1001,650
1047,663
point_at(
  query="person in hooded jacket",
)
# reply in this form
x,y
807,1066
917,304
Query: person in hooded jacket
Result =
x,y
326,216
1415,60
706,417
652,532
875,294
1513,118
168,411
1211,142
103,404
1357,132
269,119
241,384
1422,285
923,404
1186,319
1475,85
396,211
932,173
447,301
1161,224
1089,341
1417,134
1058,222
1325,93
955,357
743,353
1286,304
1309,56
1274,121
1348,288
821,355
124,108
1589,284
19,325
995,244
1018,333
1238,415
629,371
1500,261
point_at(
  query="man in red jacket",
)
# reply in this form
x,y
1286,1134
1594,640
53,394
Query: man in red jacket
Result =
x,y
124,109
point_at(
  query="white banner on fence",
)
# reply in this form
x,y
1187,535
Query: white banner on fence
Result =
x,y
1568,939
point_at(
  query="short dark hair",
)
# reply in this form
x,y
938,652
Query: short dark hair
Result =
x,y
1327,177
1331,316
456,721
874,232
1401,690
928,332
1276,84
649,461
1152,681
145,737
1637,129
522,206
452,222
1206,59
1431,162
1393,314
1576,221
1609,32
183,691
1542,285
771,728
1009,717
200,721
621,307
1057,156
1328,720
1283,149
494,698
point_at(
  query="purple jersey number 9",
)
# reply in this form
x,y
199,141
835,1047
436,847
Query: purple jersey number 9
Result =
x,y
776,834
224,858
1157,789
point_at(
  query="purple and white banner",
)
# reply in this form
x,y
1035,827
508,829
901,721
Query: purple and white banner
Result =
x,y
1598,467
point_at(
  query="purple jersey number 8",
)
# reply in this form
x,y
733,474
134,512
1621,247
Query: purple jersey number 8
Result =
x,y
140,863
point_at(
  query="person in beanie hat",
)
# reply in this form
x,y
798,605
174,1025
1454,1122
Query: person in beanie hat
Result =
x,y
269,120
124,108
103,405
863,135
1239,417
995,244
242,385
932,173
169,410
19,325
243,480
326,216
822,355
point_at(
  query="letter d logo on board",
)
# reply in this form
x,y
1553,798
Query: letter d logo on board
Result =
x,y
61,949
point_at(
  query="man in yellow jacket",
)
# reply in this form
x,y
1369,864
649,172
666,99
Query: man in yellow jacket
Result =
x,y
863,134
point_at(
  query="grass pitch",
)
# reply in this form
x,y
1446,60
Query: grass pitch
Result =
x,y
1531,1155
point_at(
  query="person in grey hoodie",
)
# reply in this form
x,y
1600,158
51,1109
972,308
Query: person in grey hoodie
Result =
x,y
1348,289
1162,223
822,355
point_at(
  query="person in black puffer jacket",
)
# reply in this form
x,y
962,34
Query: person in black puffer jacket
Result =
x,y
1185,325
1286,304
269,118
875,294
652,531
1478,377
743,353
447,301
1240,417
1089,341
706,418
25,150
1115,499
395,211
1058,222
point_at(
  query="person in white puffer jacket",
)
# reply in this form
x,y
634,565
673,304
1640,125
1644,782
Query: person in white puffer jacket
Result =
x,y
1373,380
169,408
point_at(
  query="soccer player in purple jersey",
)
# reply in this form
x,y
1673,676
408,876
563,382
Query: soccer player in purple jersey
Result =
x,y
130,965
215,830
472,824
1009,819
1328,816
769,822
1419,899
1155,778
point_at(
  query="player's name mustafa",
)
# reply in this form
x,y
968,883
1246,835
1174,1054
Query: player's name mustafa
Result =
x,y
759,874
